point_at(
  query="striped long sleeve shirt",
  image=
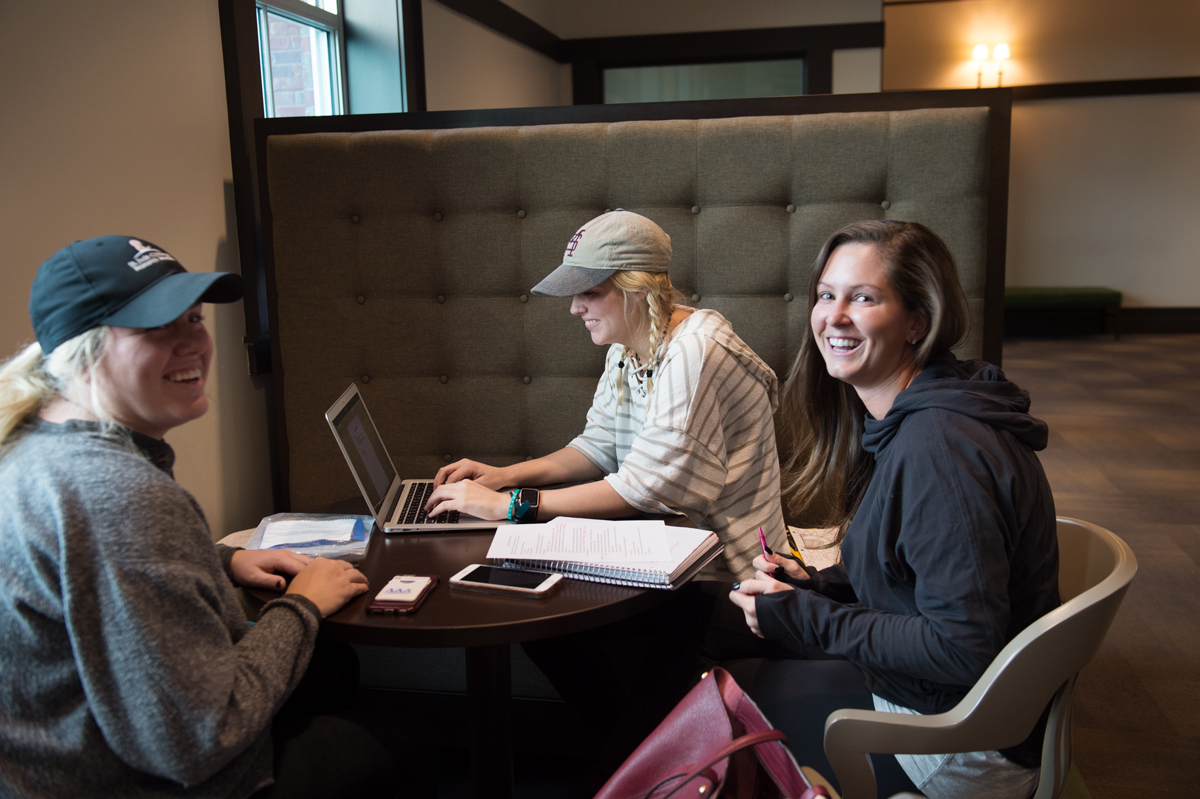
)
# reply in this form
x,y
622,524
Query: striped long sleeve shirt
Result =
x,y
703,446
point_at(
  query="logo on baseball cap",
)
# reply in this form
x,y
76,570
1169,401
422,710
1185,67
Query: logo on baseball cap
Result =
x,y
117,280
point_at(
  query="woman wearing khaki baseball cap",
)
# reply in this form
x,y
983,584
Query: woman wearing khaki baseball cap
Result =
x,y
681,421
129,667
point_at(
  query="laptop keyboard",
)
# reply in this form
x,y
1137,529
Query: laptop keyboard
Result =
x,y
414,507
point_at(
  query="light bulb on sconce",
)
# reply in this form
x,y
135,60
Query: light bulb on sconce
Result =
x,y
979,55
1000,53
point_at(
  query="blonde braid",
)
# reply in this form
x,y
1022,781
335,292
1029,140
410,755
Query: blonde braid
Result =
x,y
661,300
661,310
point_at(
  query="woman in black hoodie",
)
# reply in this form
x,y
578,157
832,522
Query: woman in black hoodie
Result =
x,y
928,465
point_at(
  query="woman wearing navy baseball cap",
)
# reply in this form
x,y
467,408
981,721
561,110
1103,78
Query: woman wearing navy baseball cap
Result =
x,y
130,669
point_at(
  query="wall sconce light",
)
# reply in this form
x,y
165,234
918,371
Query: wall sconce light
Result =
x,y
979,55
1000,53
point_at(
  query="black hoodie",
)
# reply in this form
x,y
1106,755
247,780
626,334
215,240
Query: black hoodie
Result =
x,y
953,550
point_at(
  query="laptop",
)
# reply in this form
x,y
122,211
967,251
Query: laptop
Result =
x,y
397,505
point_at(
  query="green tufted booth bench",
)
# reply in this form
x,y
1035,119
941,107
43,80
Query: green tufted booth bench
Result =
x,y
1055,310
400,250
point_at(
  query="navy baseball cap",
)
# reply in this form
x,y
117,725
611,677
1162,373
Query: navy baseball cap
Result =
x,y
117,280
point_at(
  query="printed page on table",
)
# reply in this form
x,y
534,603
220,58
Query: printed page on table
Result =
x,y
600,541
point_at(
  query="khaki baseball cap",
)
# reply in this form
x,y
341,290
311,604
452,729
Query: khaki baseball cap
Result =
x,y
616,241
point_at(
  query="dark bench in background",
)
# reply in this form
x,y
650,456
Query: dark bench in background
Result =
x,y
1031,311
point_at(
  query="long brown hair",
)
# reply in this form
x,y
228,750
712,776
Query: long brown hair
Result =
x,y
819,424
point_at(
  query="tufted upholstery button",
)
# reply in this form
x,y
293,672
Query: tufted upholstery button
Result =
x,y
447,458
526,379
695,298
444,379
521,214
524,298
437,216
441,298
360,299
366,378
354,219
695,210
788,297
608,210
791,209
886,204
528,457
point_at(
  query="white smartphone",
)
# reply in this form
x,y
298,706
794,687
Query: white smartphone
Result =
x,y
517,582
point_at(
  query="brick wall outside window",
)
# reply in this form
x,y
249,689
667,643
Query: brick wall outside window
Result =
x,y
291,67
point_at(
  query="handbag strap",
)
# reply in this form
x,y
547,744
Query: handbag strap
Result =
x,y
705,770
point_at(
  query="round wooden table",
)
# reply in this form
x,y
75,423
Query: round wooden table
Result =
x,y
484,624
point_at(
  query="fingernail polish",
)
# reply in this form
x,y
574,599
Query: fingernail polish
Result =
x,y
736,586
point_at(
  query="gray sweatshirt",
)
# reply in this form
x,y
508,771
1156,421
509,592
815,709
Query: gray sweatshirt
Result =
x,y
128,666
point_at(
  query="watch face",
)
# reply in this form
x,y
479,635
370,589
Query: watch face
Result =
x,y
529,496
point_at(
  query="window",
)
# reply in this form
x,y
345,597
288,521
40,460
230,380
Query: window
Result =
x,y
301,51
704,81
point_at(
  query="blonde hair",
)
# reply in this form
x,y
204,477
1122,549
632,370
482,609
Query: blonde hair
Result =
x,y
662,298
31,380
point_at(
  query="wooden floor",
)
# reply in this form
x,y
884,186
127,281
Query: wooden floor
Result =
x,y
1124,453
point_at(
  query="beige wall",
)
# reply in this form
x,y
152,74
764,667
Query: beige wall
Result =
x,y
469,66
1102,190
582,19
115,122
1052,41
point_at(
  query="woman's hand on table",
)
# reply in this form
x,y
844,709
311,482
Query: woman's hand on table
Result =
x,y
768,565
468,496
263,568
744,593
328,584
487,476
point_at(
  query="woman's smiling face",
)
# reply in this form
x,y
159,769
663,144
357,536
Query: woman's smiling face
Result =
x,y
152,379
862,328
602,309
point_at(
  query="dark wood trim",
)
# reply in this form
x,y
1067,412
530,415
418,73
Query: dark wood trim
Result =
x,y
282,484
1106,88
1160,320
512,24
887,3
815,43
994,99
412,31
244,101
999,143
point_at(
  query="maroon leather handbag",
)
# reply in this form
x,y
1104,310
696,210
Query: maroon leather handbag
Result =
x,y
715,741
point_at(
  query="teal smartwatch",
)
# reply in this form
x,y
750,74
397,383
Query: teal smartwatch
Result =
x,y
524,505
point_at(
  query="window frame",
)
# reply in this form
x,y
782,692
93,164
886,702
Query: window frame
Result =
x,y
813,43
333,24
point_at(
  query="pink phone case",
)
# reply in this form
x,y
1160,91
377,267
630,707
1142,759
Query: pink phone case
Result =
x,y
396,607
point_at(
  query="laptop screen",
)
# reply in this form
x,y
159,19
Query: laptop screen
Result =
x,y
364,448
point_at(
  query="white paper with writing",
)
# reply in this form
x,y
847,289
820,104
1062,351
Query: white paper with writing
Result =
x,y
583,541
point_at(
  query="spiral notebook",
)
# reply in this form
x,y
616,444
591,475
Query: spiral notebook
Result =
x,y
690,551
